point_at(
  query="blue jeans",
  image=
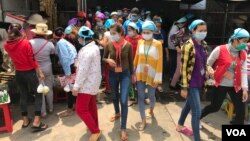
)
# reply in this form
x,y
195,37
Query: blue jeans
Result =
x,y
122,78
193,104
141,86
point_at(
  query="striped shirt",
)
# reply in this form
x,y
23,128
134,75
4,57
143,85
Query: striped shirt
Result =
x,y
149,55
248,64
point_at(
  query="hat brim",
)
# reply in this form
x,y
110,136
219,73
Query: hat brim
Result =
x,y
32,22
49,32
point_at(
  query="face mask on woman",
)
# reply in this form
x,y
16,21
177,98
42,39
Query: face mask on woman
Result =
x,y
131,33
115,38
200,35
99,23
240,47
147,36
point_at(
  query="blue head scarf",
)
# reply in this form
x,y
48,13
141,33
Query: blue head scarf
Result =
x,y
194,24
149,25
239,33
85,32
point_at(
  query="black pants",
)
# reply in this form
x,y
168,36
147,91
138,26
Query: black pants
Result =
x,y
217,99
71,98
172,62
27,80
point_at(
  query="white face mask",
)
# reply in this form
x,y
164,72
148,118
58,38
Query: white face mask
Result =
x,y
147,36
115,38
131,33
99,23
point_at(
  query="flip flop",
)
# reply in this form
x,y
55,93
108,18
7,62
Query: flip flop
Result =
x,y
39,128
29,121
186,131
124,137
115,117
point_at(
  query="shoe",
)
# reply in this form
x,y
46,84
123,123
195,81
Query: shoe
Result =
x,y
43,115
66,113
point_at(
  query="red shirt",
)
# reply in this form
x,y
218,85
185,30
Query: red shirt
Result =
x,y
133,42
21,53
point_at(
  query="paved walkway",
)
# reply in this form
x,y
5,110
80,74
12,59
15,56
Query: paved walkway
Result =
x,y
162,128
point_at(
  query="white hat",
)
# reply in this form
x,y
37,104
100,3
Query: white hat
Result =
x,y
35,19
41,29
113,13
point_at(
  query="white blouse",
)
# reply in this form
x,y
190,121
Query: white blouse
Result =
x,y
88,75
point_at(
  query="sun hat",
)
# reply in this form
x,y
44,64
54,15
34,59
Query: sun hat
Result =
x,y
41,29
149,25
35,19
195,23
85,32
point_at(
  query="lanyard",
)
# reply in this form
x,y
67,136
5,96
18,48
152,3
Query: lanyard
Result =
x,y
147,51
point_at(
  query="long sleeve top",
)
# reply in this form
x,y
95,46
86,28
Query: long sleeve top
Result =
x,y
225,81
88,75
67,54
21,53
149,54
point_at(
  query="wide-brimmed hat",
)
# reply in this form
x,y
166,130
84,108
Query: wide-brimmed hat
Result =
x,y
35,19
42,29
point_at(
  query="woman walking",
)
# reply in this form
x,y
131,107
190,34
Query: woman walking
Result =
x,y
118,54
193,68
227,64
148,68
88,79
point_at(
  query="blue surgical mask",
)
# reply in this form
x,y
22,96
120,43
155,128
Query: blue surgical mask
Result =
x,y
200,35
134,18
115,38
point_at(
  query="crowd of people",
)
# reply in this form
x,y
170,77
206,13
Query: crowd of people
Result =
x,y
127,51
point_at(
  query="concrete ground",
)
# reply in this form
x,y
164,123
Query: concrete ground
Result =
x,y
160,128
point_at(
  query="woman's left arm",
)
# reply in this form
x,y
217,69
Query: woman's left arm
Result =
x,y
244,82
158,75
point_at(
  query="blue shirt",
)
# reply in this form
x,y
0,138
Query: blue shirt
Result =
x,y
67,55
138,23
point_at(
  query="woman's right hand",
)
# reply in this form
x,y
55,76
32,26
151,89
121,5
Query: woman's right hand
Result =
x,y
111,63
184,93
211,72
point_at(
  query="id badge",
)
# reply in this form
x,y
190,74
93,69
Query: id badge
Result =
x,y
118,69
202,71
228,75
145,69
146,90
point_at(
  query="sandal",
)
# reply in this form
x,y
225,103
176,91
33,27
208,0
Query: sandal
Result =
x,y
66,113
95,137
39,128
142,126
186,131
115,117
124,136
29,121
